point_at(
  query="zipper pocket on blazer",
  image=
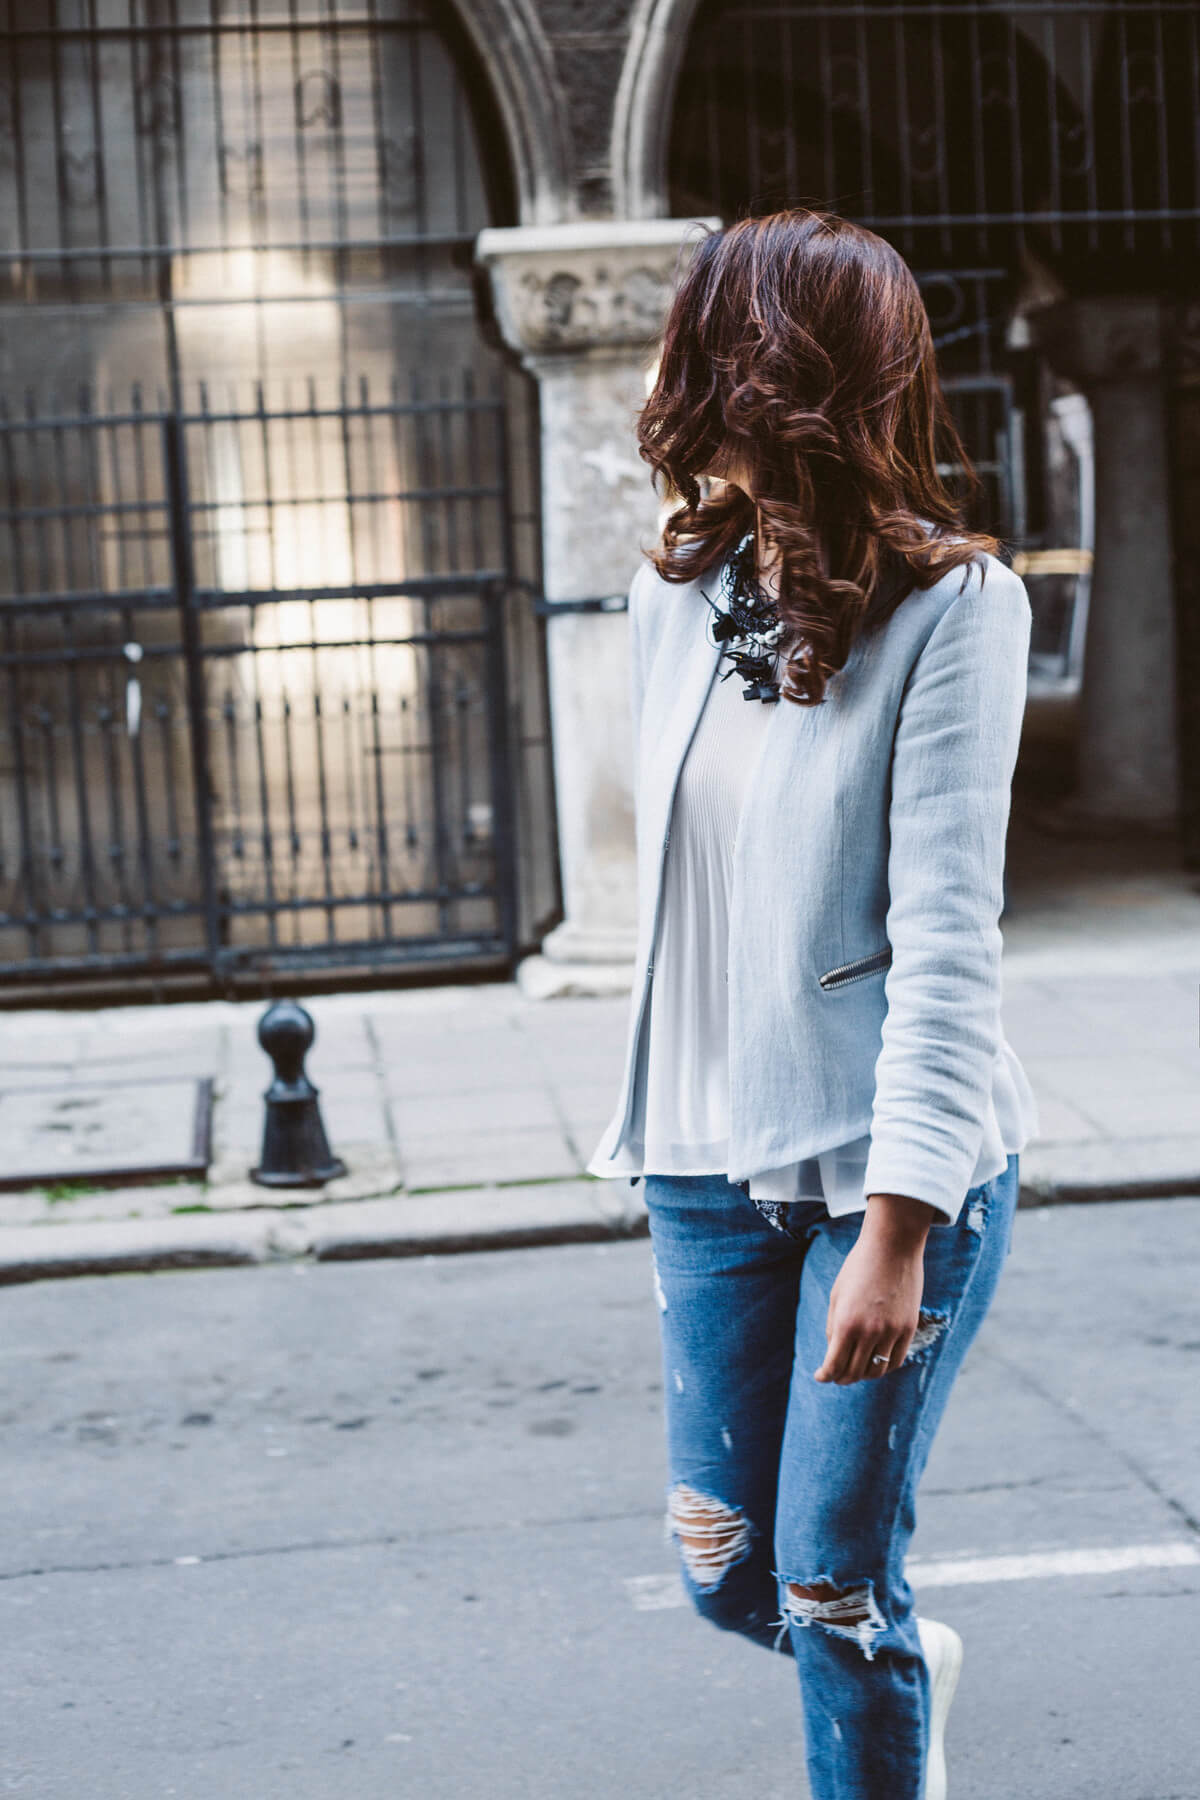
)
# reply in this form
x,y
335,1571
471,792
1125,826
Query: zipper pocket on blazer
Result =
x,y
856,970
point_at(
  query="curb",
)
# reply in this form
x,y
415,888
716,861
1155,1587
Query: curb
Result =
x,y
1086,1193
445,1224
442,1224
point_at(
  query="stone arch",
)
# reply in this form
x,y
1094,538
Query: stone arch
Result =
x,y
511,45
659,31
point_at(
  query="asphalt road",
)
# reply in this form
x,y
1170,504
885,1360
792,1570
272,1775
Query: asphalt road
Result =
x,y
394,1529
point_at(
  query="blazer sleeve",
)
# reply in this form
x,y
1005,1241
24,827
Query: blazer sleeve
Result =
x,y
953,757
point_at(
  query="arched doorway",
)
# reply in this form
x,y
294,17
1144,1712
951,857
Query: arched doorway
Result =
x,y
1015,156
276,701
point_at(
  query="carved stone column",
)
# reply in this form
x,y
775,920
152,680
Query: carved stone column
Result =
x,y
584,306
1129,736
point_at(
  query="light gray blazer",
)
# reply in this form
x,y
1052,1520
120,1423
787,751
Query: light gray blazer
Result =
x,y
868,866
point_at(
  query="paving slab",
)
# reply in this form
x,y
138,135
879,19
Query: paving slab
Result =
x,y
97,1130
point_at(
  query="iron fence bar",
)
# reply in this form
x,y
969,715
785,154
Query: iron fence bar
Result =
x,y
24,816
96,88
1160,124
60,161
289,766
288,414
214,26
979,160
1013,100
1087,85
107,653
116,912
416,587
19,606
108,961
1194,61
380,952
18,142
1049,56
489,491
123,907
175,468
77,509
326,840
264,806
16,730
87,867
828,153
56,854
1040,216
445,299
145,832
500,759
162,713
1125,142
939,115
365,897
177,78
433,685
547,609
252,81
381,823
447,496
218,107
23,424
495,405
921,9
504,842
903,118
159,252
339,158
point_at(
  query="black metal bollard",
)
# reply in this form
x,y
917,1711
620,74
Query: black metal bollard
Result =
x,y
295,1149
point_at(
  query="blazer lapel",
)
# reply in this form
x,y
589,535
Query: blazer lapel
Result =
x,y
688,661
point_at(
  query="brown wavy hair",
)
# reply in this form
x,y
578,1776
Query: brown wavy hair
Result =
x,y
798,348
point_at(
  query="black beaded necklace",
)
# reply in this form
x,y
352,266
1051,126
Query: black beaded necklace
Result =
x,y
748,625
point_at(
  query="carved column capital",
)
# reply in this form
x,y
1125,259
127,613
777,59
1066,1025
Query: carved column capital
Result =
x,y
591,288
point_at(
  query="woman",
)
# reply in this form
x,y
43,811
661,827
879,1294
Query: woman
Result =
x,y
828,683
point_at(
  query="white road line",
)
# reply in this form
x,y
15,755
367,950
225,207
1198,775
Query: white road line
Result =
x,y
655,1593
1041,1565
658,1593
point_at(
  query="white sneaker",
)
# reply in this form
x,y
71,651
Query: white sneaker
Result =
x,y
943,1658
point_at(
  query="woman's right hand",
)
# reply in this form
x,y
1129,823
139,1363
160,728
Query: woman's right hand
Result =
x,y
875,1303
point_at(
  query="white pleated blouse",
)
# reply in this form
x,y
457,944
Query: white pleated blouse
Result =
x,y
681,1089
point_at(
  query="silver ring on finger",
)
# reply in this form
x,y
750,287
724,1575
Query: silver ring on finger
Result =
x,y
885,1360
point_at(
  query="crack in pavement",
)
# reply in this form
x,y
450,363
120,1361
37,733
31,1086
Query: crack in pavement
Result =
x,y
1085,1424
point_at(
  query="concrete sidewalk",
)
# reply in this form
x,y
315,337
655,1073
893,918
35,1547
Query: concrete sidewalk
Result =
x,y
465,1114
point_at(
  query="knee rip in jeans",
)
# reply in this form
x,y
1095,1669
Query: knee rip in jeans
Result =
x,y
711,1535
846,1612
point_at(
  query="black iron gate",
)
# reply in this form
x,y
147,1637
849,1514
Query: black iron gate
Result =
x,y
239,733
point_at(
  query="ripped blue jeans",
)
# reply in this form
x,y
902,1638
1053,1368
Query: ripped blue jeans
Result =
x,y
779,1482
